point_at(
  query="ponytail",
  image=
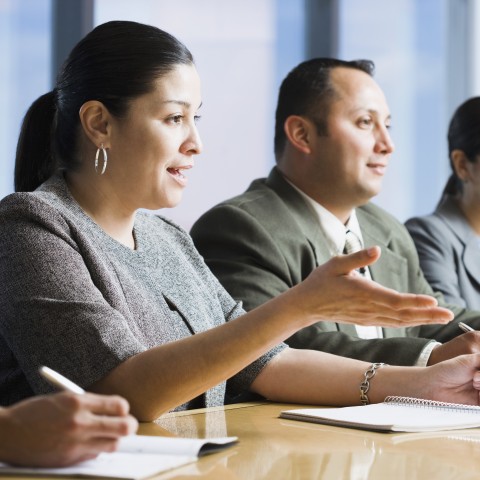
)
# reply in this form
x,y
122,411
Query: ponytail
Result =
x,y
453,186
34,161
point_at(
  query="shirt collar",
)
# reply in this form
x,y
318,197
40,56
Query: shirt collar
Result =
x,y
332,228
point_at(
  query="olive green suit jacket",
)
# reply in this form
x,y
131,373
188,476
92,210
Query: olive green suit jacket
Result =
x,y
263,242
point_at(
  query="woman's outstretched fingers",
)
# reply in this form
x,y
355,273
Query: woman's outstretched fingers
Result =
x,y
333,292
345,264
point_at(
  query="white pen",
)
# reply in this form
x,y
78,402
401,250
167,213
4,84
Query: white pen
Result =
x,y
466,328
59,380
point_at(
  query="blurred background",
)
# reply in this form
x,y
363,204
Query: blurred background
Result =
x,y
424,51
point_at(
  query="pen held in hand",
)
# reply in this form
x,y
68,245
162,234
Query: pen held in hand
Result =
x,y
466,328
60,381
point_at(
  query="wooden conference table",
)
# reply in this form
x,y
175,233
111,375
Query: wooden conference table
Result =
x,y
274,448
278,449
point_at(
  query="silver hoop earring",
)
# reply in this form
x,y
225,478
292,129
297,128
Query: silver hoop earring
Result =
x,y
105,159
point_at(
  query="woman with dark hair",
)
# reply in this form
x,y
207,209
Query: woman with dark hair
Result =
x,y
448,240
120,301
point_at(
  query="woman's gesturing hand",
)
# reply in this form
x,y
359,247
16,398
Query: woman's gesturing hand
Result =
x,y
336,292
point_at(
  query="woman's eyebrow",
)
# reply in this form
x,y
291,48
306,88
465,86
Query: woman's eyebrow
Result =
x,y
178,102
183,103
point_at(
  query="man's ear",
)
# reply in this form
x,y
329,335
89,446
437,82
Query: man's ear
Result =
x,y
460,164
94,118
298,132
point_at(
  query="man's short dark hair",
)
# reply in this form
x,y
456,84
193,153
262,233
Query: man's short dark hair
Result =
x,y
307,91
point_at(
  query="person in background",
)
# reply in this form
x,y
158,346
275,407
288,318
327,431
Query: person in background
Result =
x,y
61,429
120,301
448,240
332,149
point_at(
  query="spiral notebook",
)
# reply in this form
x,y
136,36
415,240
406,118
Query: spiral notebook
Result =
x,y
395,414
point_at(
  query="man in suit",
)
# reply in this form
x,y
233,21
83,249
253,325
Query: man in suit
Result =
x,y
332,147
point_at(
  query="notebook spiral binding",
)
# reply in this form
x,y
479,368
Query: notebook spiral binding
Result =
x,y
431,404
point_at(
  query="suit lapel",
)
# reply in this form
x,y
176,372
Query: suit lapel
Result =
x,y
452,216
307,223
470,259
302,215
391,270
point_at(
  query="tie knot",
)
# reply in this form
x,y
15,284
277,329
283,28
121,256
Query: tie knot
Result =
x,y
352,242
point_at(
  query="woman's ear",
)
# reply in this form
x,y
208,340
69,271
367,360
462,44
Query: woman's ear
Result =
x,y
94,118
298,131
460,164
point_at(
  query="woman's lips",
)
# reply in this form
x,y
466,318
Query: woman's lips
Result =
x,y
177,174
378,168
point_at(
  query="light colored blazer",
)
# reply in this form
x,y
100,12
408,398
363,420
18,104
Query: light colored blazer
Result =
x,y
265,241
449,252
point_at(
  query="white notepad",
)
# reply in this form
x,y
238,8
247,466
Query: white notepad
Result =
x,y
137,457
395,414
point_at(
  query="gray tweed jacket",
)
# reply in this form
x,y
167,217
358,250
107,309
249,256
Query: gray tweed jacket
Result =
x,y
74,299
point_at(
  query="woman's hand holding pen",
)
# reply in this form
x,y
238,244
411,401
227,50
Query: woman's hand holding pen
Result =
x,y
467,343
63,428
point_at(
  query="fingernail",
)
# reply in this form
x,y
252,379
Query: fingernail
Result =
x,y
371,251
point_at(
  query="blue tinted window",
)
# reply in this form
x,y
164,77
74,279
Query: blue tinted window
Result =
x,y
24,72
407,40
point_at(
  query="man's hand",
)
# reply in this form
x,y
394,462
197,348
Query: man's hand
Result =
x,y
463,344
336,292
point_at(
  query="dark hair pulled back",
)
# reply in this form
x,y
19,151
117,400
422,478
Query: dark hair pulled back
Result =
x,y
115,63
463,134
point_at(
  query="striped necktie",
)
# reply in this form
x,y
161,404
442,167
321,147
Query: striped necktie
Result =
x,y
352,245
